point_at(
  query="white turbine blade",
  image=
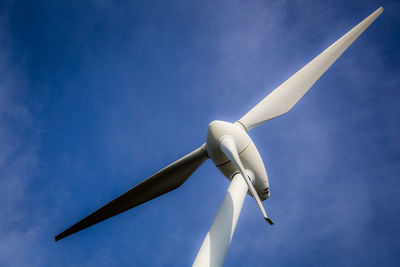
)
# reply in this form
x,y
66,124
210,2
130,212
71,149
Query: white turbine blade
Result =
x,y
284,97
216,243
228,146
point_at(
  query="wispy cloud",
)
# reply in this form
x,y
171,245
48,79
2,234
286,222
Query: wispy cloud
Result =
x,y
18,160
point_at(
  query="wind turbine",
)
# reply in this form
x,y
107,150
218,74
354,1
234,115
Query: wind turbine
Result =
x,y
233,152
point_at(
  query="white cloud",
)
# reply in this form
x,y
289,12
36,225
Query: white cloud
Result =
x,y
18,161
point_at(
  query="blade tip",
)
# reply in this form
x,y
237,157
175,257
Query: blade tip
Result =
x,y
269,221
58,237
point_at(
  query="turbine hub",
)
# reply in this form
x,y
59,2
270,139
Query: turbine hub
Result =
x,y
248,153
217,129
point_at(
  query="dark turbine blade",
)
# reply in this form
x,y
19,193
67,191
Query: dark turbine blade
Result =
x,y
168,179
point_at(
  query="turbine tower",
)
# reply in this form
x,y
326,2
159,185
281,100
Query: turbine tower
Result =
x,y
233,152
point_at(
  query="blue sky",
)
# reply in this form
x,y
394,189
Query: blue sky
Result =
x,y
97,96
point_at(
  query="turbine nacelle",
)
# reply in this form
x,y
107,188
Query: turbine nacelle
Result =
x,y
247,151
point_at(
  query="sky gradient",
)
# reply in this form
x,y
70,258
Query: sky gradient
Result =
x,y
97,96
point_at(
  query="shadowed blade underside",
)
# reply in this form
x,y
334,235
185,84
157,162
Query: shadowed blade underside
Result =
x,y
164,181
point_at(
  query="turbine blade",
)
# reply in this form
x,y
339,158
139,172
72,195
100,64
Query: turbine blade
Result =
x,y
228,146
284,97
167,179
